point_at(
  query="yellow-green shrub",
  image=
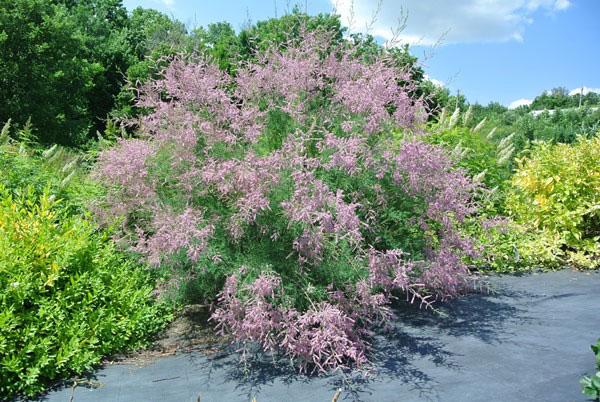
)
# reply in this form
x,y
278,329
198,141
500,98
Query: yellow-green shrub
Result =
x,y
511,247
556,192
67,298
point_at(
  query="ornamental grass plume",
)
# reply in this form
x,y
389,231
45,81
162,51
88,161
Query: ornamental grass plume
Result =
x,y
491,133
506,149
467,116
5,132
454,118
506,141
479,125
286,191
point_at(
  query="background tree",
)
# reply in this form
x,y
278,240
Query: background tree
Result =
x,y
45,75
103,27
220,41
152,36
264,34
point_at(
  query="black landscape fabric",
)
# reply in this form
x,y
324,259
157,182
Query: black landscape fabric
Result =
x,y
527,339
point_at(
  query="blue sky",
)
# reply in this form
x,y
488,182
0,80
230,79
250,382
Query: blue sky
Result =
x,y
489,50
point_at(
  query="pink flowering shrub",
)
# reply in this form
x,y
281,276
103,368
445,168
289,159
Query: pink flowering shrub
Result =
x,y
284,191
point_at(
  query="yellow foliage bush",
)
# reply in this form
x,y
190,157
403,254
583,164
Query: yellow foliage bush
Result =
x,y
67,297
555,192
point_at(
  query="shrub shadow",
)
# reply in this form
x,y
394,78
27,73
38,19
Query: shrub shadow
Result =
x,y
413,337
482,315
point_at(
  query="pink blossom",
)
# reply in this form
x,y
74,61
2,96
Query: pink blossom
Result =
x,y
173,233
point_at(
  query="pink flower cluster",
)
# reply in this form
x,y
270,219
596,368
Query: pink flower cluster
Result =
x,y
194,95
348,154
201,140
370,90
323,213
321,338
246,183
125,166
173,233
329,334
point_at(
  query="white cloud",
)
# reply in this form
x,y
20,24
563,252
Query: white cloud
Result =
x,y
168,3
562,4
451,21
519,102
583,91
435,82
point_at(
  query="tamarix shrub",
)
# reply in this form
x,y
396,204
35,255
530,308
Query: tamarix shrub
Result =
x,y
285,194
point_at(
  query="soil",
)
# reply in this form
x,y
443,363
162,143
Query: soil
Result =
x,y
190,331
